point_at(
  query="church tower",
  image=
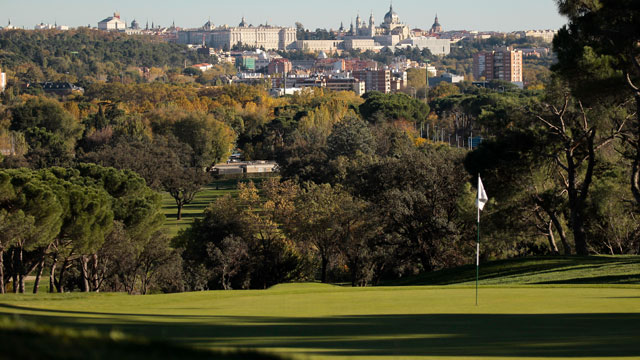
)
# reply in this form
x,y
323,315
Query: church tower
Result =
x,y
436,28
372,26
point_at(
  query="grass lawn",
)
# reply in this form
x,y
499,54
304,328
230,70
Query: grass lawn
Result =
x,y
315,321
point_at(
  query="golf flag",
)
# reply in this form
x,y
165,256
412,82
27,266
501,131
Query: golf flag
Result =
x,y
482,195
480,203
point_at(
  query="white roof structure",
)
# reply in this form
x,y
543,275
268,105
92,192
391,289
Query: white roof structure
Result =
x,y
112,23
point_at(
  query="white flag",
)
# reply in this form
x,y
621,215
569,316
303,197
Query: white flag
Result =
x,y
482,195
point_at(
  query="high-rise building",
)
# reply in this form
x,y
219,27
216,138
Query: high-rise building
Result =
x,y
279,66
375,80
499,64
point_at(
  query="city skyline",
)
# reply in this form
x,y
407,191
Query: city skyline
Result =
x,y
488,15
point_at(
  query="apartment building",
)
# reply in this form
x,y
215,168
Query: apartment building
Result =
x,y
499,64
375,80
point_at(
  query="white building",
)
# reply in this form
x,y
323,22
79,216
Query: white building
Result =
x,y
3,81
361,44
435,45
318,45
225,37
446,77
545,35
112,23
9,26
202,67
43,26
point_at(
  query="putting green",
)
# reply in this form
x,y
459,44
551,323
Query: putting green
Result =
x,y
314,321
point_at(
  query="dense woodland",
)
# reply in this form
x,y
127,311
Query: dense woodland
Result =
x,y
370,188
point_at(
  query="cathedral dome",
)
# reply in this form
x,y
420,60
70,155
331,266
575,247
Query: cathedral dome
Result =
x,y
391,17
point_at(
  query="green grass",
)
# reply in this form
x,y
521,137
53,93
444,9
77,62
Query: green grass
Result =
x,y
314,321
538,270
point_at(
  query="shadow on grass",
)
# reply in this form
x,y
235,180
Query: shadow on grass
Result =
x,y
531,335
612,279
32,342
524,267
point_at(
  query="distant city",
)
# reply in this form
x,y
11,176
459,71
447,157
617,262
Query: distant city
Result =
x,y
256,51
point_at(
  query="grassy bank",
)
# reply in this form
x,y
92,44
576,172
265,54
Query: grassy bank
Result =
x,y
538,270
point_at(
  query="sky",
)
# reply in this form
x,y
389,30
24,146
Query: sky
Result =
x,y
481,15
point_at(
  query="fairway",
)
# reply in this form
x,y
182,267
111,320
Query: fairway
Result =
x,y
314,321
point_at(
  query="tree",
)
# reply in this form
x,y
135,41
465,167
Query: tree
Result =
x,y
393,107
152,160
614,227
315,225
575,135
155,255
46,114
220,220
526,198
130,202
348,137
417,196
34,215
11,227
184,185
210,140
88,219
605,31
238,244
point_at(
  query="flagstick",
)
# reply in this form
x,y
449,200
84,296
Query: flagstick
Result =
x,y
480,202
478,256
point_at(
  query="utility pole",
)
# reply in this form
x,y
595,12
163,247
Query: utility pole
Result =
x,y
426,92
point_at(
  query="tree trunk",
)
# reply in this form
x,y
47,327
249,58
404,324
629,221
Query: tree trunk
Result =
x,y
1,271
552,240
36,284
635,171
14,272
563,235
21,268
180,205
84,269
60,282
96,281
577,197
579,233
325,264
52,275
14,282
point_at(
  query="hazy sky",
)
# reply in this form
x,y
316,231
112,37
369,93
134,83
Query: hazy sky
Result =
x,y
499,15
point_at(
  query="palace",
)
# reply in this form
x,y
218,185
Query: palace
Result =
x,y
226,37
361,36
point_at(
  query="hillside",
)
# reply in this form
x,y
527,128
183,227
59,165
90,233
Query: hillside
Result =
x,y
537,270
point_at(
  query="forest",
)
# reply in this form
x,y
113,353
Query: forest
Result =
x,y
371,188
